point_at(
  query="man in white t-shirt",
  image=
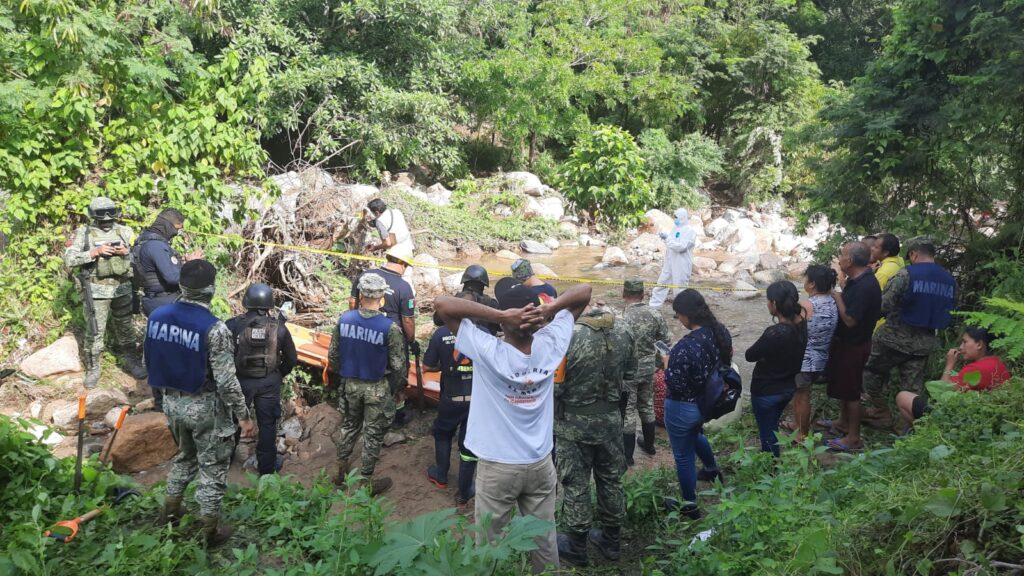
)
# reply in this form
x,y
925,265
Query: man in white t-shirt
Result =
x,y
511,417
391,226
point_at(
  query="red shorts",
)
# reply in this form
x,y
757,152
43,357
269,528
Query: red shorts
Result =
x,y
845,370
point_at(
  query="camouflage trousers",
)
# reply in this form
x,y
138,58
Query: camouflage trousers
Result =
x,y
116,313
204,431
880,364
576,461
640,402
369,410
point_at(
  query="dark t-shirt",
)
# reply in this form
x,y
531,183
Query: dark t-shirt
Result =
x,y
779,353
863,298
398,298
456,369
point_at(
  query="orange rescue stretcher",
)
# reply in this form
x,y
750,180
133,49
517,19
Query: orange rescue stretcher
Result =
x,y
313,346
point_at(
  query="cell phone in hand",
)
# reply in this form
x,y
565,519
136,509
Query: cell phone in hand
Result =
x,y
662,347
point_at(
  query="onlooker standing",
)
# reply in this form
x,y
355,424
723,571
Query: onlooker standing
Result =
x,y
264,354
822,315
648,327
690,364
390,225
886,252
859,307
985,369
679,243
512,414
917,302
778,354
587,422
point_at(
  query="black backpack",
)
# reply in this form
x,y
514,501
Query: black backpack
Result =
x,y
721,392
256,347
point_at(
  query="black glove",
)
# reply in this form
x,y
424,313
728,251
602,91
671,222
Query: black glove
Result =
x,y
414,348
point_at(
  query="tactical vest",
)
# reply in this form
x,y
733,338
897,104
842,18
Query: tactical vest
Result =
x,y
363,345
256,351
176,350
596,374
458,377
929,298
106,267
147,277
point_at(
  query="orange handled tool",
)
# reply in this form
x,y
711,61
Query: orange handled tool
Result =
x,y
66,530
117,428
81,442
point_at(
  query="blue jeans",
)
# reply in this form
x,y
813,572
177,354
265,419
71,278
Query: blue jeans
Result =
x,y
684,425
767,411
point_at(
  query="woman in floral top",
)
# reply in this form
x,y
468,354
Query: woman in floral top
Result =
x,y
690,363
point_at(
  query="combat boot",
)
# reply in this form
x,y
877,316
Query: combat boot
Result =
x,y
92,377
215,532
607,542
572,548
134,367
339,477
629,445
649,435
377,486
173,511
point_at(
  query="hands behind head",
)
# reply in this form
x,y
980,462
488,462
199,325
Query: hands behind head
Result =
x,y
528,319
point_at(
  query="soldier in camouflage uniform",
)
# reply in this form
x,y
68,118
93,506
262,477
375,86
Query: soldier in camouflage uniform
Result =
x,y
916,303
98,255
367,360
588,420
191,355
647,326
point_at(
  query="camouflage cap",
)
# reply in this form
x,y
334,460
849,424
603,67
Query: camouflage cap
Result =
x,y
522,269
372,285
633,286
919,242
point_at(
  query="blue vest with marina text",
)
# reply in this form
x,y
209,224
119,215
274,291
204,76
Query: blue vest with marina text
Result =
x,y
930,297
176,351
363,345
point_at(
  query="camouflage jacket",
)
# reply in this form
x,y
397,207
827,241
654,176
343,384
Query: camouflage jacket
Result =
x,y
647,326
221,382
397,371
601,355
894,333
111,276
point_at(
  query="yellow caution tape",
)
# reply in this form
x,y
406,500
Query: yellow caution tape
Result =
x,y
381,259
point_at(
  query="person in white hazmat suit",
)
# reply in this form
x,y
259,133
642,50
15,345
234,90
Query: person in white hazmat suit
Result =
x,y
678,258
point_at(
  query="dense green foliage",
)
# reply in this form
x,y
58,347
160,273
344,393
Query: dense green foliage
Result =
x,y
606,176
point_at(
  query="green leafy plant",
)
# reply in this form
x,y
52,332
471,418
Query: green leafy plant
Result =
x,y
606,175
1004,318
678,169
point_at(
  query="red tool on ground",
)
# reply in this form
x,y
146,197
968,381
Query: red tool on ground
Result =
x,y
81,442
66,530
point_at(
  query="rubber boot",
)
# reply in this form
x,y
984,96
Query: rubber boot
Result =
x,y
92,376
648,443
467,489
572,548
173,511
215,532
133,366
438,473
629,445
377,486
342,472
607,542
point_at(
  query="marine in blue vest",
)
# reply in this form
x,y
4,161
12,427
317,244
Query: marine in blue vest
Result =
x,y
917,302
453,410
367,361
190,356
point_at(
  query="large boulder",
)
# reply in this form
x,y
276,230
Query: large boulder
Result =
x,y
697,224
404,179
769,261
647,242
525,182
703,263
145,441
588,240
614,256
569,229
64,414
745,290
322,423
553,243
740,237
541,269
99,401
717,228
796,270
439,195
546,208
452,282
534,247
471,251
507,255
58,358
766,277
659,221
426,279
785,243
359,194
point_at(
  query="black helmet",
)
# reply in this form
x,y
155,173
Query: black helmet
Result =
x,y
258,297
476,273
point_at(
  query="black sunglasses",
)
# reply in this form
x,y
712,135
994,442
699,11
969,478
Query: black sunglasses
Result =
x,y
106,213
